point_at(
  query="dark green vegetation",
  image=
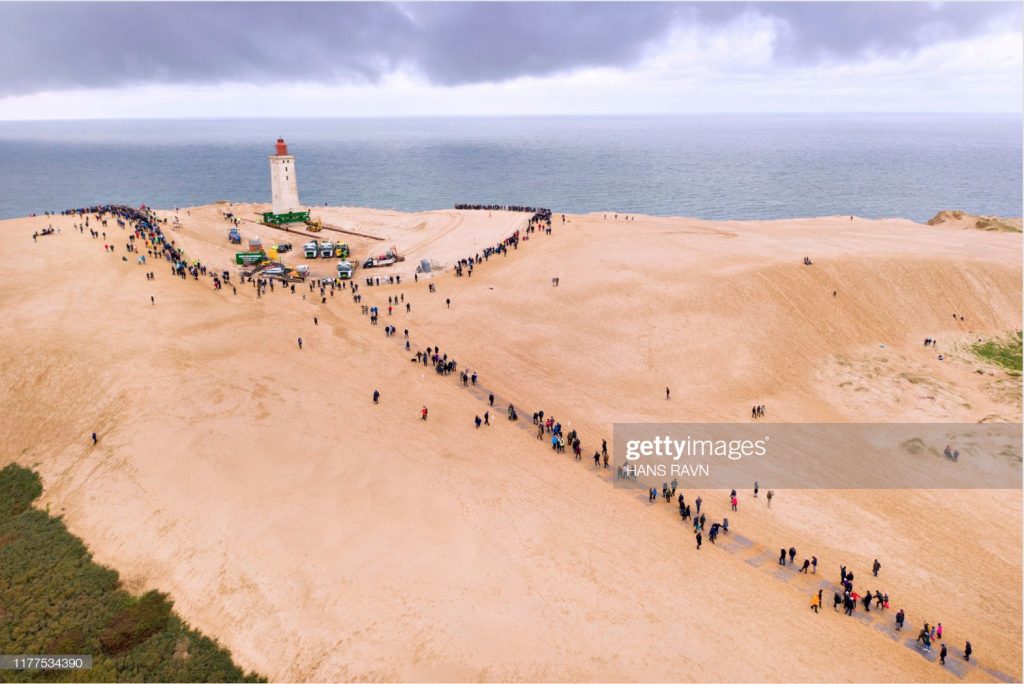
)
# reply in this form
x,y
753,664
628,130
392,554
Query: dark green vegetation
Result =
x,y
55,600
1005,352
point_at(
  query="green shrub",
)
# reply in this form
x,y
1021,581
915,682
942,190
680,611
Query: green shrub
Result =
x,y
138,621
1005,352
55,600
19,487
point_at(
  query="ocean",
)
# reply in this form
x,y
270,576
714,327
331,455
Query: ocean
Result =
x,y
715,167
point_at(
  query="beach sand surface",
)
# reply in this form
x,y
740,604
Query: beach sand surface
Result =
x,y
321,537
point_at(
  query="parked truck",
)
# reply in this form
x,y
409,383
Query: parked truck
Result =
x,y
234,237
345,270
311,250
327,249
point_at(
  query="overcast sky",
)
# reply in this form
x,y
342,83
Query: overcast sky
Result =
x,y
176,59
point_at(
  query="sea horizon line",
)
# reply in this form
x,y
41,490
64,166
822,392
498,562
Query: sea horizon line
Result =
x,y
638,115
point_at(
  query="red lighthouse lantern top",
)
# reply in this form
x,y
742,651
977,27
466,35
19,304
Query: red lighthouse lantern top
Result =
x,y
282,148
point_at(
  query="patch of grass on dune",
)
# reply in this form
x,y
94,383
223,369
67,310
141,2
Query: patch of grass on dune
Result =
x,y
1004,352
993,224
55,600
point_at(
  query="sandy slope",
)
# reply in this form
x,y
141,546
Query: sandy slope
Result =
x,y
323,538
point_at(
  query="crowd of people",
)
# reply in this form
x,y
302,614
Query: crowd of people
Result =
x,y
146,232
539,213
372,281
541,219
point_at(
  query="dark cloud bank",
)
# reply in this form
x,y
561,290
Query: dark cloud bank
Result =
x,y
56,46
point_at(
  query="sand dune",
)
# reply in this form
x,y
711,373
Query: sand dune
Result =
x,y
962,219
320,537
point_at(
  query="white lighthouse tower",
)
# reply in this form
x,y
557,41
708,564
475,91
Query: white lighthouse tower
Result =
x,y
284,190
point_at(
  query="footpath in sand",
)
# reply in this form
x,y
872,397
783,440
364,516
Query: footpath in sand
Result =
x,y
322,537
